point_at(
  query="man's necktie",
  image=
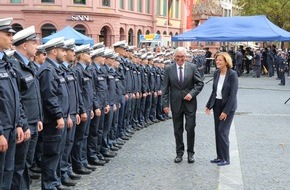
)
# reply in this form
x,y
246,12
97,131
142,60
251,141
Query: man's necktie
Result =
x,y
31,66
180,75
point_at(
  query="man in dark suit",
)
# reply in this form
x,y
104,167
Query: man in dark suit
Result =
x,y
182,83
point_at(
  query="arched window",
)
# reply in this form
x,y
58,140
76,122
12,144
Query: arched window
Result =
x,y
158,32
138,36
47,30
122,34
105,34
130,36
147,32
164,33
81,29
17,27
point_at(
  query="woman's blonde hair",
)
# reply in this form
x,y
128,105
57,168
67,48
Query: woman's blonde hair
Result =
x,y
227,58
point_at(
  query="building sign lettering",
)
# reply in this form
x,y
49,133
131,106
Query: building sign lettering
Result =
x,y
80,18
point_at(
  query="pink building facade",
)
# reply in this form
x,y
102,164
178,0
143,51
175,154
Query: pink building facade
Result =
x,y
107,21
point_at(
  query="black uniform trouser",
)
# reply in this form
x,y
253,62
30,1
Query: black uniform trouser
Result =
x,y
222,130
107,127
137,110
77,150
159,111
53,146
147,107
142,110
7,160
282,77
239,69
85,142
248,63
112,136
24,182
95,136
132,121
38,151
277,67
178,123
121,128
19,164
257,70
152,115
207,67
127,112
65,162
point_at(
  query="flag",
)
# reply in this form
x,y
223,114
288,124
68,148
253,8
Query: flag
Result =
x,y
189,12
169,11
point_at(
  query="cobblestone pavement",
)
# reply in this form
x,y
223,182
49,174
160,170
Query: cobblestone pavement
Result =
x,y
262,129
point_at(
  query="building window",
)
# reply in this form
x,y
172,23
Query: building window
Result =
x,y
177,9
121,4
130,37
106,3
158,8
164,8
80,28
131,6
47,1
148,6
47,30
83,2
139,6
15,1
17,27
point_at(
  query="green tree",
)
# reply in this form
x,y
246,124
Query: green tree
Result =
x,y
278,11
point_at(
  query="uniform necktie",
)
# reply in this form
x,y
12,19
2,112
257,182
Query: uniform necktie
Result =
x,y
180,75
31,66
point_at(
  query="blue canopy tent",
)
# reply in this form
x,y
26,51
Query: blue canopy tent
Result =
x,y
235,29
70,33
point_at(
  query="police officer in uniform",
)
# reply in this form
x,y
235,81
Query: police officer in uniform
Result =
x,y
95,139
120,48
67,175
11,109
87,94
282,61
25,42
35,169
144,89
55,99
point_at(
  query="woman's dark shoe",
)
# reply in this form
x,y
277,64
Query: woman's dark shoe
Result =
x,y
216,160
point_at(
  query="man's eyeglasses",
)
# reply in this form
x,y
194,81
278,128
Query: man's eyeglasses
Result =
x,y
180,57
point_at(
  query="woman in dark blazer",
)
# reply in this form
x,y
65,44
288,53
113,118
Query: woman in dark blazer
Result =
x,y
223,101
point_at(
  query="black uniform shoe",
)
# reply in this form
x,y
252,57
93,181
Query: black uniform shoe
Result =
x,y
118,146
216,160
74,176
90,167
109,154
35,169
223,163
102,158
120,141
125,138
83,171
97,162
61,187
178,159
113,148
155,120
128,135
68,182
34,175
191,159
